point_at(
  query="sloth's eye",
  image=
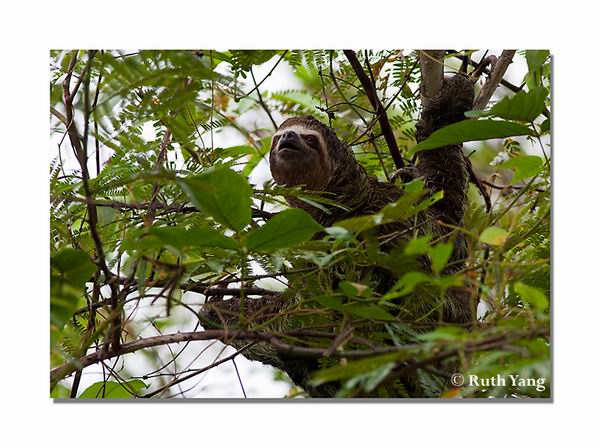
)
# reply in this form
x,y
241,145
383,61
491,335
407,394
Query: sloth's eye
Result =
x,y
310,139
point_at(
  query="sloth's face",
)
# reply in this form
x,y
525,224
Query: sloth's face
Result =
x,y
300,156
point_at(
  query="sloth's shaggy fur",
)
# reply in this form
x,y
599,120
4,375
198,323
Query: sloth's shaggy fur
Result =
x,y
306,152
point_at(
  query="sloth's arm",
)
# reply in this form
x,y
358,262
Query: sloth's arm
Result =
x,y
446,168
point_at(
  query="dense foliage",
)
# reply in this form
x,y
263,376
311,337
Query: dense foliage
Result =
x,y
149,208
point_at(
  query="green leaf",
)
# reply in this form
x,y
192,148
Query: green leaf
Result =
x,y
405,207
536,58
256,156
322,259
113,389
377,376
142,272
106,215
533,296
339,233
425,203
223,194
440,254
71,269
418,246
361,223
369,311
180,238
471,130
60,391
356,368
301,98
448,281
236,151
524,166
351,289
494,236
523,106
64,300
444,334
330,302
245,59
536,62
74,266
407,284
287,228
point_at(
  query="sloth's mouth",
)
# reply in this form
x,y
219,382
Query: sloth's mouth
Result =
x,y
289,147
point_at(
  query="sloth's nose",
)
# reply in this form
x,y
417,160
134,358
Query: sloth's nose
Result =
x,y
289,139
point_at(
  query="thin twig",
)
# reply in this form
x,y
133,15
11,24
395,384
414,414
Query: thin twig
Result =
x,y
237,372
94,105
197,372
237,98
508,187
261,101
475,179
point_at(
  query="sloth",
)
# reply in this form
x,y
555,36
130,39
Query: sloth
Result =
x,y
305,152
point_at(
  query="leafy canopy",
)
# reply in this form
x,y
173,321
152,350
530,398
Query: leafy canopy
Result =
x,y
164,205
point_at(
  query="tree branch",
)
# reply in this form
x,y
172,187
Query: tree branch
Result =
x,y
432,74
68,97
499,66
382,117
64,370
173,208
234,292
510,86
81,153
224,335
493,81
